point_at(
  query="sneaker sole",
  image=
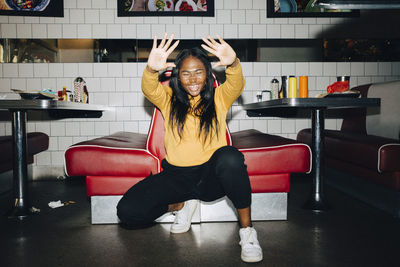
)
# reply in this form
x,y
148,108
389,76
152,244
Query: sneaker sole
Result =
x,y
180,231
251,259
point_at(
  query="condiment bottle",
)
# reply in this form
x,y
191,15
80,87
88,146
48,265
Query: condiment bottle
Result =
x,y
78,89
284,92
275,88
303,86
64,94
85,94
292,87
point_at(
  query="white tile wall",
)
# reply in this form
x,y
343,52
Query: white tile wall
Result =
x,y
98,19
118,84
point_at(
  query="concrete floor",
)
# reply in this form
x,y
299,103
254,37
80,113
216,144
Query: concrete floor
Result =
x,y
350,234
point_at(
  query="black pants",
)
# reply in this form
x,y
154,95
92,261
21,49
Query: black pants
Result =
x,y
224,174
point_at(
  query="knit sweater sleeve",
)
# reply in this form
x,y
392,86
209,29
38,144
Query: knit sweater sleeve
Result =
x,y
232,88
154,91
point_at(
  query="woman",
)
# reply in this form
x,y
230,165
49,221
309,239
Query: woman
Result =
x,y
198,163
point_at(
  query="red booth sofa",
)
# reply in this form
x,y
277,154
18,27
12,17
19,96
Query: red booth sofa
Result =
x,y
363,157
114,163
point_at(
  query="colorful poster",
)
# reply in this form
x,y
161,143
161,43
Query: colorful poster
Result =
x,y
46,8
166,8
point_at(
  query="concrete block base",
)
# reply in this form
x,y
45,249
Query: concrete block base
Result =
x,y
265,206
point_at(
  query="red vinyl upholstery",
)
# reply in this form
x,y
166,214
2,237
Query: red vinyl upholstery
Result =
x,y
270,159
112,164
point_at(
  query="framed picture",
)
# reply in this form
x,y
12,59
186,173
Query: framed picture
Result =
x,y
166,8
45,8
303,8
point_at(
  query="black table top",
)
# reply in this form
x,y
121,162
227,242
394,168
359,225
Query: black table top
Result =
x,y
310,103
48,104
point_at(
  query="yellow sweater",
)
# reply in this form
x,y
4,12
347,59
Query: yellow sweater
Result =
x,y
191,150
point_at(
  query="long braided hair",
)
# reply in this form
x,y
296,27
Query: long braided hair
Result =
x,y
180,103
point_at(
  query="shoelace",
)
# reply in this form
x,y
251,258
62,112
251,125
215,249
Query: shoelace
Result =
x,y
248,239
180,216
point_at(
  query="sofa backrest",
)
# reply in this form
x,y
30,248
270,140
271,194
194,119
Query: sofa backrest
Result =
x,y
354,121
383,121
155,138
386,123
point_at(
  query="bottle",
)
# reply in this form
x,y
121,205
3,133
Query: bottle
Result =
x,y
64,94
284,93
85,95
303,86
275,88
78,89
14,58
292,87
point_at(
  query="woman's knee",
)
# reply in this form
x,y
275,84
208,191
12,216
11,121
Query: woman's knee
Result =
x,y
131,213
125,211
229,156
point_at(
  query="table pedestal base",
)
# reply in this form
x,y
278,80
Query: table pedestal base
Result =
x,y
19,211
316,200
316,203
20,207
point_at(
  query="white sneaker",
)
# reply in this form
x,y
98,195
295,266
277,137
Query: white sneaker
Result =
x,y
251,250
183,217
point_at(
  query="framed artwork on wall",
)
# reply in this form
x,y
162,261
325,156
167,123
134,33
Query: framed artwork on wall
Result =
x,y
203,8
303,8
45,8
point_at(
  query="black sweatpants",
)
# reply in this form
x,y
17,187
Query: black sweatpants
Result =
x,y
224,174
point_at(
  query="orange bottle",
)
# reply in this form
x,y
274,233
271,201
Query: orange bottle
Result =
x,y
303,86
64,94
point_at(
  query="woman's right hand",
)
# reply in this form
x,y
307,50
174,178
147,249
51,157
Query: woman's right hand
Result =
x,y
157,60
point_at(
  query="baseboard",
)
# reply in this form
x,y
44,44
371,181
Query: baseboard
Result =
x,y
265,206
371,193
42,172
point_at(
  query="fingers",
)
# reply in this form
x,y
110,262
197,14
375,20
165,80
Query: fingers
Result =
x,y
210,42
209,49
155,42
169,41
163,40
220,39
172,48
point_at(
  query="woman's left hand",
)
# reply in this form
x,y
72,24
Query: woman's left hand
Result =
x,y
222,50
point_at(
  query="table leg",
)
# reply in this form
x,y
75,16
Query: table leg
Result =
x,y
20,209
317,202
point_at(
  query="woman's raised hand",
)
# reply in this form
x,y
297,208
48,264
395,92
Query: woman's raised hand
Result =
x,y
159,54
222,50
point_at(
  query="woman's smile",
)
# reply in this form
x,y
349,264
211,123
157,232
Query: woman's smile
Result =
x,y
194,89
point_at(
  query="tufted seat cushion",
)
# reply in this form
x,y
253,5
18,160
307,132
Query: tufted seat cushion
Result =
x,y
269,159
121,154
383,153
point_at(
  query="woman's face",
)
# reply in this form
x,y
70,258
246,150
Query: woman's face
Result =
x,y
192,75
